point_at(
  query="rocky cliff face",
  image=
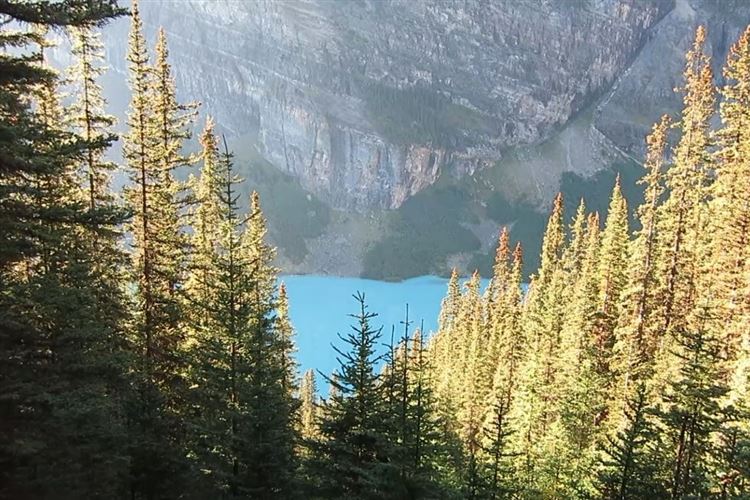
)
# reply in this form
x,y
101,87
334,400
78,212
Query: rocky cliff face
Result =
x,y
645,91
428,123
367,102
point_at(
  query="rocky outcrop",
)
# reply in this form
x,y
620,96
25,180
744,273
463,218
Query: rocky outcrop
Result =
x,y
367,102
645,91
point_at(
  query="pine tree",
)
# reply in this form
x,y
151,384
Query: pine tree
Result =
x,y
61,432
168,127
205,219
509,339
574,254
537,439
497,427
628,470
474,382
309,407
444,346
351,459
580,387
581,316
501,303
731,203
219,297
499,474
690,414
728,268
613,260
500,272
241,366
286,341
638,327
158,432
682,215
89,118
428,448
271,408
449,309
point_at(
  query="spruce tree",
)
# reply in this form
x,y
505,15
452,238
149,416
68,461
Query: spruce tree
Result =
x,y
241,369
497,429
89,118
574,254
628,470
728,266
612,273
682,216
428,448
158,433
475,382
286,342
309,407
444,345
731,203
63,365
538,434
581,386
218,291
351,458
205,217
271,408
639,328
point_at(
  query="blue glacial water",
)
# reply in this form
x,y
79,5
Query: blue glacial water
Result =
x,y
320,305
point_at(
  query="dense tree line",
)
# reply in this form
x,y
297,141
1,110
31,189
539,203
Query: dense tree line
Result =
x,y
623,372
153,366
147,351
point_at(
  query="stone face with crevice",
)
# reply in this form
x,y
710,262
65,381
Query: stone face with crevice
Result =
x,y
368,102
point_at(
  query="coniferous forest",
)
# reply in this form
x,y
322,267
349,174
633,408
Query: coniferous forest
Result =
x,y
146,350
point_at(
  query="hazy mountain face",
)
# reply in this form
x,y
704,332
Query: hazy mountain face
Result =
x,y
389,104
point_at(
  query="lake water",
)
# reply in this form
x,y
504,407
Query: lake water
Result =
x,y
320,305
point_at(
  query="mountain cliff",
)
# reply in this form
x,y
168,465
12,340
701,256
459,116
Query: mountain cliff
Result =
x,y
378,108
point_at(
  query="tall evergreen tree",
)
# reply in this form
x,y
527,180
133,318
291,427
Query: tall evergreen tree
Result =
x,y
286,341
682,215
351,459
428,449
639,326
89,117
205,219
158,433
221,308
271,408
309,406
509,343
628,470
690,415
63,366
243,389
537,439
731,202
613,261
728,267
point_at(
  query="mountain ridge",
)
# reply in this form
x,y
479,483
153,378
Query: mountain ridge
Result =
x,y
370,120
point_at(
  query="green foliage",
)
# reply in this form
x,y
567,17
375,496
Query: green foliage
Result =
x,y
64,359
416,115
294,215
421,235
351,460
628,470
623,372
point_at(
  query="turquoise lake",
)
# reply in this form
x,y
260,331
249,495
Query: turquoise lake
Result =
x,y
320,305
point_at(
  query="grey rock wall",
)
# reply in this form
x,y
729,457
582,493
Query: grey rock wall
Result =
x,y
367,102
